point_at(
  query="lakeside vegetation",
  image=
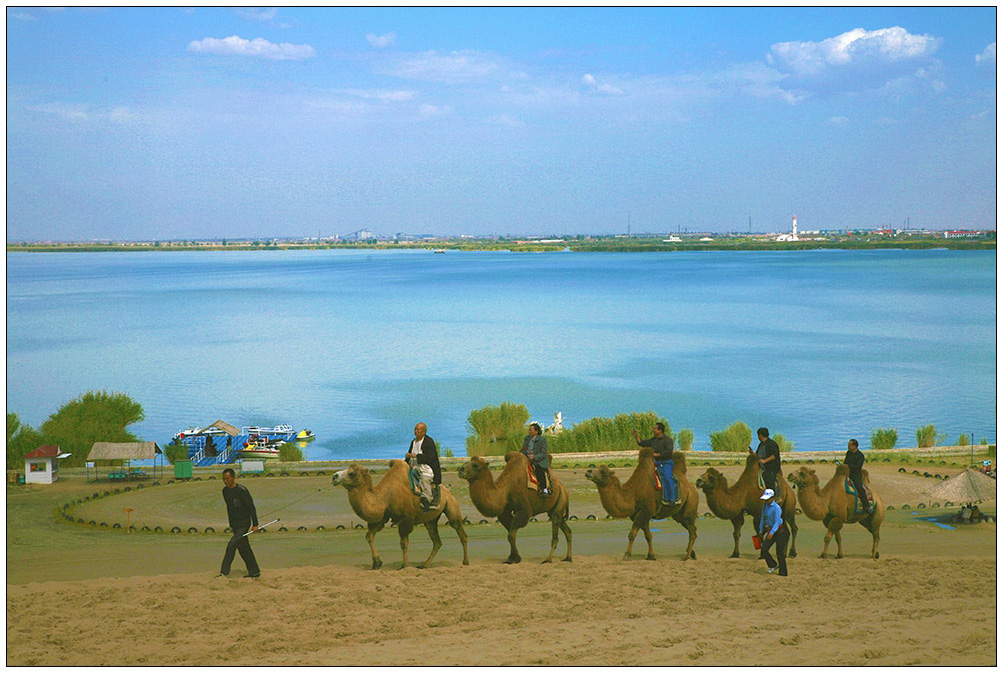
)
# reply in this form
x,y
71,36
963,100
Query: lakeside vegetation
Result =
x,y
574,243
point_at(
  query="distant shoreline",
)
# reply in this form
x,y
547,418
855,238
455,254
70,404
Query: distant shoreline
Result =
x,y
575,244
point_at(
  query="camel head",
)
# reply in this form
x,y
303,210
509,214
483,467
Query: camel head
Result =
x,y
474,469
352,477
601,475
711,479
803,477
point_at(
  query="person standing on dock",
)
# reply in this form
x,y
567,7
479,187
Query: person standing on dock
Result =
x,y
422,455
854,460
243,519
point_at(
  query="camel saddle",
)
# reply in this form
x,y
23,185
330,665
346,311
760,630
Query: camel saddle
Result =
x,y
851,490
532,482
660,487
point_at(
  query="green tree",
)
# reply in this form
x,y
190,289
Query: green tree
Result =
x,y
685,439
883,438
495,431
964,440
784,444
290,452
926,436
96,416
735,438
21,439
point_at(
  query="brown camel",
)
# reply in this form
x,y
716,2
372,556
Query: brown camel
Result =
x,y
392,499
834,507
640,500
510,500
731,503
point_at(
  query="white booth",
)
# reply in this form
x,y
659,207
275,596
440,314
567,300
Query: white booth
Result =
x,y
41,466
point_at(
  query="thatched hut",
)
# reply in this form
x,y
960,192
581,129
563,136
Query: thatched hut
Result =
x,y
969,486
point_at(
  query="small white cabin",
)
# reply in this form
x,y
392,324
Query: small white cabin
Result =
x,y
41,466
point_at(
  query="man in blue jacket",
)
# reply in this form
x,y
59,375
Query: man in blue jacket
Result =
x,y
771,529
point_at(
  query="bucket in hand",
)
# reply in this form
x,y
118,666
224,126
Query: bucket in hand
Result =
x,y
757,542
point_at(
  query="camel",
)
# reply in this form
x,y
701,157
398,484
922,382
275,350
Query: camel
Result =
x,y
731,503
640,500
510,500
834,507
392,499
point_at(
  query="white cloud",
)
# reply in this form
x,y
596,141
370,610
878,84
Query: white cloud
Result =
x,y
456,67
258,13
857,47
382,41
75,112
760,81
20,16
427,110
258,47
987,57
509,121
838,121
596,87
380,95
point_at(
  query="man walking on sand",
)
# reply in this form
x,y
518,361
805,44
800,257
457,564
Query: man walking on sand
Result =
x,y
243,518
422,455
771,529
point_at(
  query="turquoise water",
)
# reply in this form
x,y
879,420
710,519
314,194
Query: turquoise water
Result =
x,y
820,346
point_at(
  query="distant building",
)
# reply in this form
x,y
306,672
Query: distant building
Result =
x,y
963,234
793,236
41,466
360,235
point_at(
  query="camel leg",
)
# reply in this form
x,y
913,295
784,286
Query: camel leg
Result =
x,y
836,528
689,522
461,532
507,519
554,539
793,537
737,522
370,538
405,528
436,543
567,536
634,528
456,522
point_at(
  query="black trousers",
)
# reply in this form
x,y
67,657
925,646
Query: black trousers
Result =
x,y
541,476
781,539
769,478
857,483
239,543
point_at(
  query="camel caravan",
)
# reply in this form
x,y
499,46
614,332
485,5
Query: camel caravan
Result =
x,y
519,492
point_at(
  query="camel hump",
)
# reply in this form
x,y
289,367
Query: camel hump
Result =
x,y
397,464
512,455
680,466
841,469
646,453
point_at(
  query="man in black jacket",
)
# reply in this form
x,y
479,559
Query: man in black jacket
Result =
x,y
422,455
854,461
768,458
243,518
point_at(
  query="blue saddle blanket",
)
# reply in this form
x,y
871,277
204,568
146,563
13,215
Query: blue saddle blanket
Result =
x,y
851,490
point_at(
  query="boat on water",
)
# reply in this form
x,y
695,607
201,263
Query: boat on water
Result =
x,y
261,449
222,443
305,435
440,250
197,431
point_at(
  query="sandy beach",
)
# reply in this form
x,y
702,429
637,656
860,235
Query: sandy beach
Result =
x,y
80,595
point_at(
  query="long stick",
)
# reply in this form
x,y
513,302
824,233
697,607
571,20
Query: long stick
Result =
x,y
312,493
261,527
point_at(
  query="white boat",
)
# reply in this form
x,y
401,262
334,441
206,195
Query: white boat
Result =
x,y
281,429
261,449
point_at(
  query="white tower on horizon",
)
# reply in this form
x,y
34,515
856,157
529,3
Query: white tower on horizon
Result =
x,y
794,227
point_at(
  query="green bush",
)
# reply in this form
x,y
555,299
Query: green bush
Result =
x,y
926,436
602,434
883,438
176,450
735,438
964,440
96,416
685,440
289,451
21,439
784,444
495,431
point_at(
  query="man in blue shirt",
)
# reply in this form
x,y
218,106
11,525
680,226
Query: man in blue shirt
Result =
x,y
771,529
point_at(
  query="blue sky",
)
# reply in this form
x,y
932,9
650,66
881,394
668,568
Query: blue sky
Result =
x,y
170,123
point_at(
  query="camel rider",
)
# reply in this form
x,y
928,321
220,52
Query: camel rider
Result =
x,y
772,529
854,460
534,447
768,458
423,459
664,462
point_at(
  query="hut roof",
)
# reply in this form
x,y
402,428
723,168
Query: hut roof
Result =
x,y
114,451
225,427
43,452
969,485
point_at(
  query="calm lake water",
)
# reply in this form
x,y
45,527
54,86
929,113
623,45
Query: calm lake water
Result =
x,y
820,346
